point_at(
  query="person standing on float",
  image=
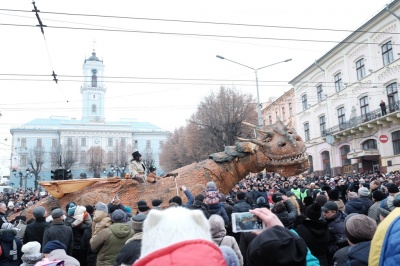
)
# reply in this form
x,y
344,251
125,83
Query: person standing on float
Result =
x,y
137,168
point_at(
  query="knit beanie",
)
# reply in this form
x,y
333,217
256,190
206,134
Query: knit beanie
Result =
x,y
313,212
384,210
71,209
363,191
100,206
352,195
321,199
31,247
39,212
211,185
360,228
378,195
118,216
53,245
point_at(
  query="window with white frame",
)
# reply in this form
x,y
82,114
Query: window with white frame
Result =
x,y
341,116
39,143
69,141
360,68
23,160
364,106
320,93
387,53
23,143
54,143
283,113
161,144
148,144
396,142
306,131
110,142
123,142
369,144
304,102
290,109
322,125
83,142
338,82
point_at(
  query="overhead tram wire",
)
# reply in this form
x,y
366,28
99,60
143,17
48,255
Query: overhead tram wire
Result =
x,y
190,34
200,22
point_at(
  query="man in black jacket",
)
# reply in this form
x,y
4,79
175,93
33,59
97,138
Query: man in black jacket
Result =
x,y
241,205
35,231
59,231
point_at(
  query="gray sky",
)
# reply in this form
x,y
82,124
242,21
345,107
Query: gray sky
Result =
x,y
169,66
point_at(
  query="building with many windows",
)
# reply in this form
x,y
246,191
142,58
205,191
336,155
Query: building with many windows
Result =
x,y
88,147
283,108
338,100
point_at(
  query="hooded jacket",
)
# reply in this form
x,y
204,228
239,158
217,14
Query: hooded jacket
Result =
x,y
358,254
197,252
219,237
355,206
7,239
109,241
317,237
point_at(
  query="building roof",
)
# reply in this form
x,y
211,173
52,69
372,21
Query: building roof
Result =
x,y
93,58
60,123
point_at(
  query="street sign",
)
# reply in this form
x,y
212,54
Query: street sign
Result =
x,y
383,138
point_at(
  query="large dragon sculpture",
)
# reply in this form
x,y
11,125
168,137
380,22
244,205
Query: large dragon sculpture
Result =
x,y
277,148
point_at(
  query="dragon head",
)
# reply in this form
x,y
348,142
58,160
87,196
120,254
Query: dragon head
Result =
x,y
283,150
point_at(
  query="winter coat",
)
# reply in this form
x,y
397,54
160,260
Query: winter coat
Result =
x,y
130,252
199,205
288,217
340,257
241,206
373,212
358,254
59,231
336,225
35,231
79,223
316,235
91,257
367,202
109,241
219,237
10,242
100,220
197,252
31,259
245,239
59,254
219,210
355,206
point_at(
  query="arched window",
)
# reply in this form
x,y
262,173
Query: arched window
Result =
x,y
326,162
94,108
369,144
343,154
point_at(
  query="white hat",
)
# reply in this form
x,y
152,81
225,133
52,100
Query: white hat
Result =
x,y
32,247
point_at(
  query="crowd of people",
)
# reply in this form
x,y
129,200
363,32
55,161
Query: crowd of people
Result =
x,y
308,220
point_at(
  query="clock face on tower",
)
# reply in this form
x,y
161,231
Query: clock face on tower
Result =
x,y
96,141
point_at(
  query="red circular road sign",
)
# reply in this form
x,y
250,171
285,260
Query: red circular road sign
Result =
x,y
383,138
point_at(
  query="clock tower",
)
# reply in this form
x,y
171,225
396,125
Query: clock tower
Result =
x,y
93,90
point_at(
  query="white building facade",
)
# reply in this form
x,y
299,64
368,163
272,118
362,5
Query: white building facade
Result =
x,y
88,147
338,100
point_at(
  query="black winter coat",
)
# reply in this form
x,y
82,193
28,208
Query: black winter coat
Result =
x,y
77,231
35,231
7,237
316,235
199,205
241,206
129,253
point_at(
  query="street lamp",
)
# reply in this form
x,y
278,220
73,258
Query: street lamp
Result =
x,y
260,120
120,169
29,174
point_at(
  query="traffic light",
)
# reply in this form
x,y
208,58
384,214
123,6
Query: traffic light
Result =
x,y
67,174
52,174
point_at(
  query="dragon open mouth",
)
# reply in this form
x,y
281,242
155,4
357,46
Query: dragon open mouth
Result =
x,y
288,160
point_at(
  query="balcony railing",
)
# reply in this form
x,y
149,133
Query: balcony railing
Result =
x,y
355,121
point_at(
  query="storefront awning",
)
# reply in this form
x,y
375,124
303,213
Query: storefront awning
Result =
x,y
366,154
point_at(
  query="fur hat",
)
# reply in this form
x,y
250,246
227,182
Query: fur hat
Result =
x,y
177,200
352,195
171,226
53,245
313,212
100,206
357,222
136,154
363,191
118,216
392,188
31,247
39,212
57,213
277,246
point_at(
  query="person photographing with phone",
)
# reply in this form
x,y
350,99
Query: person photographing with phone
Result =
x,y
137,168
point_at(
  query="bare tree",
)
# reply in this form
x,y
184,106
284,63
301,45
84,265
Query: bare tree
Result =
x,y
96,160
148,158
217,123
70,155
35,160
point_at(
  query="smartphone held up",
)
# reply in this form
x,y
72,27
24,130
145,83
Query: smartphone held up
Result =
x,y
245,222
